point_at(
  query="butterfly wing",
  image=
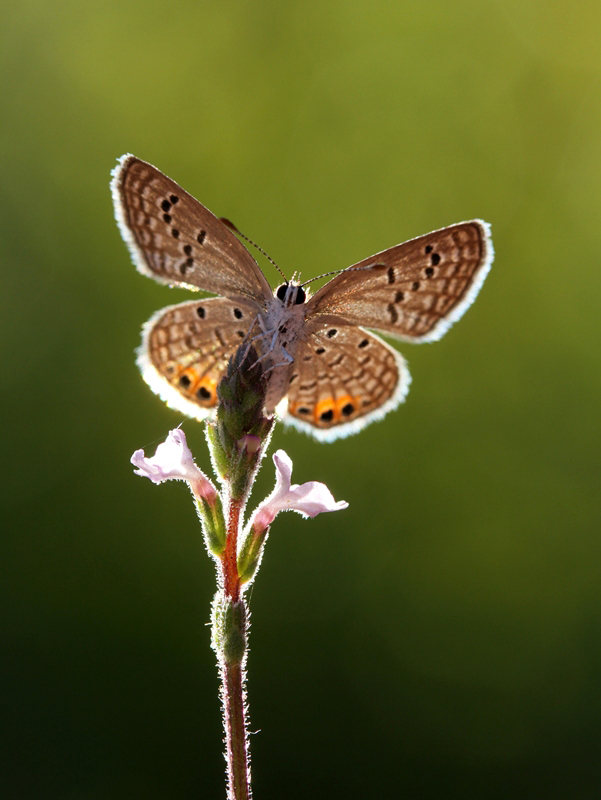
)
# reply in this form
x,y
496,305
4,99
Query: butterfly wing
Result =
x,y
176,240
185,349
342,379
414,291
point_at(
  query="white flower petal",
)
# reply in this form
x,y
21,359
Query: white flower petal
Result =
x,y
308,499
173,460
283,469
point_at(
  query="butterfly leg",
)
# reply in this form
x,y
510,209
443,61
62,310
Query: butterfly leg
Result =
x,y
249,341
271,347
288,360
265,332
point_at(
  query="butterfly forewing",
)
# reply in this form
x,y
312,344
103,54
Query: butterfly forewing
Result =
x,y
176,240
342,379
413,291
185,349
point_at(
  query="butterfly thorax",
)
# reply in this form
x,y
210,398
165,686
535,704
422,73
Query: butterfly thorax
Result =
x,y
282,327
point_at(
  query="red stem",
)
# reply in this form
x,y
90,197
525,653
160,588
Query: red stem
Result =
x,y
238,766
229,559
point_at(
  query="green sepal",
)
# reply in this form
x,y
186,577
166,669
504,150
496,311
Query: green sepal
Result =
x,y
250,554
217,451
213,525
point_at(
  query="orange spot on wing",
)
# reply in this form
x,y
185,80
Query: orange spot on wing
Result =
x,y
333,410
346,402
206,391
329,411
186,378
202,390
294,408
325,412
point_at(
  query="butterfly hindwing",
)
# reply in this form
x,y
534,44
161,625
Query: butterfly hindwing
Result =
x,y
185,349
414,291
176,240
342,379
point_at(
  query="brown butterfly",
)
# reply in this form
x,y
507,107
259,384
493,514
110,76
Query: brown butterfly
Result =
x,y
326,374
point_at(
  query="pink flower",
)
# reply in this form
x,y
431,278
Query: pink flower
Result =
x,y
174,461
309,499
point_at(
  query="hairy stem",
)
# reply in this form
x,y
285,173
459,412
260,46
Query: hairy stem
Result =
x,y
234,708
229,559
233,690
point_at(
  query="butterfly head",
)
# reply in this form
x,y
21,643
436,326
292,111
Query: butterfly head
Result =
x,y
291,294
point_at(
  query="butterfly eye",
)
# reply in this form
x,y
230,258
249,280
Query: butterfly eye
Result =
x,y
281,292
301,296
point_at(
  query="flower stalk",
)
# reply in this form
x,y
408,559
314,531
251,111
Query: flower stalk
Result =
x,y
237,439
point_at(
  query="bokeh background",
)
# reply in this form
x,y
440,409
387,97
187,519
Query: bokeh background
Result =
x,y
442,637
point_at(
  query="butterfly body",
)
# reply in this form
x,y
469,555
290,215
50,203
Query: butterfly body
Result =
x,y
281,328
326,374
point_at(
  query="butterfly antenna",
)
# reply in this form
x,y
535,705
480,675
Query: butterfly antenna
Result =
x,y
325,275
348,269
233,228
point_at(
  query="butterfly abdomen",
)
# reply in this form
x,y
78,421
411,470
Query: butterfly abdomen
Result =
x,y
284,328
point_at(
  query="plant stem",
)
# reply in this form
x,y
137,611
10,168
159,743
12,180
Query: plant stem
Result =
x,y
234,707
229,559
233,674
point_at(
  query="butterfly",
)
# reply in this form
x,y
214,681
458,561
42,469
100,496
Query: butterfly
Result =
x,y
325,373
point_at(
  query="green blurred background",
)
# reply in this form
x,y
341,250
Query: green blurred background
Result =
x,y
442,637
